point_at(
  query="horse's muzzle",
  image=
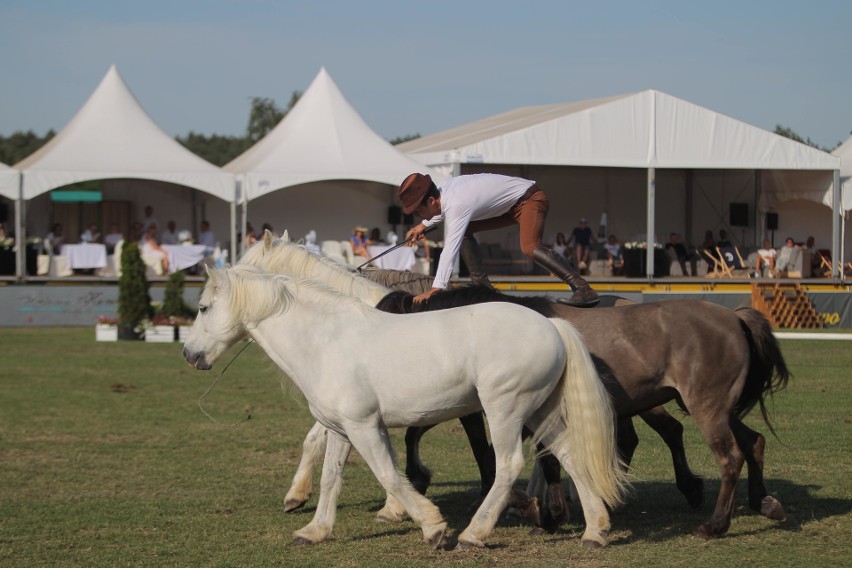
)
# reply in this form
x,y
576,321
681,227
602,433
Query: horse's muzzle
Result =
x,y
197,360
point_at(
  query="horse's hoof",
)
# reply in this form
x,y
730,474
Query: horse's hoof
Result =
x,y
537,531
469,544
293,504
592,544
705,532
694,493
300,540
437,538
771,508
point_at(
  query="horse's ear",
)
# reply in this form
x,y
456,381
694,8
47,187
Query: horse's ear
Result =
x,y
214,275
286,236
267,240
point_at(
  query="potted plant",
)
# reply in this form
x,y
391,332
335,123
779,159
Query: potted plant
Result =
x,y
174,307
160,330
134,302
106,329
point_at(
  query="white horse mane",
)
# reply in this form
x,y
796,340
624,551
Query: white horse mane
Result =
x,y
280,255
256,294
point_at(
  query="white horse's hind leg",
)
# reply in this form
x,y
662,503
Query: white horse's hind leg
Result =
x,y
392,512
336,453
374,446
300,488
509,454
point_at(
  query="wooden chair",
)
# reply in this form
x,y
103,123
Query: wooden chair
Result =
x,y
730,260
825,264
720,268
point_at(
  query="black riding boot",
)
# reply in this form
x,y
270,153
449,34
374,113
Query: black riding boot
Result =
x,y
473,259
584,296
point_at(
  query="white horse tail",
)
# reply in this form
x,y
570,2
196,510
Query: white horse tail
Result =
x,y
585,409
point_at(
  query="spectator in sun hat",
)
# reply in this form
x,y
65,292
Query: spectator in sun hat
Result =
x,y
469,204
359,241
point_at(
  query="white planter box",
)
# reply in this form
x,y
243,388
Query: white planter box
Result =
x,y
160,334
106,332
183,332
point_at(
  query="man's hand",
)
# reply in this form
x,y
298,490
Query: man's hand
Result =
x,y
415,234
425,295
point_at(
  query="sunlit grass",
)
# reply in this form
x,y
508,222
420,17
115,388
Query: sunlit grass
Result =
x,y
107,460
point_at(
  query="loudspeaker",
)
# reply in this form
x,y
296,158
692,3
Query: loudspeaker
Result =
x,y
772,221
4,212
739,214
394,215
408,219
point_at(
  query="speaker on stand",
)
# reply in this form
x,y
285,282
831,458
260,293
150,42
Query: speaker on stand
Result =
x,y
772,224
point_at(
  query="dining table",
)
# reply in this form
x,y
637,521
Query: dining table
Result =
x,y
400,259
184,256
84,256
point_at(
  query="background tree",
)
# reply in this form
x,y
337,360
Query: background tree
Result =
x,y
404,138
19,145
788,132
134,302
173,304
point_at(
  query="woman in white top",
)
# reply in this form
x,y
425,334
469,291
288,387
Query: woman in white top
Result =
x,y
152,249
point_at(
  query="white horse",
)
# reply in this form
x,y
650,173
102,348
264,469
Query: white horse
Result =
x,y
533,371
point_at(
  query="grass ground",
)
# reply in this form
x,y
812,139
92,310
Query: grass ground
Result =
x,y
107,460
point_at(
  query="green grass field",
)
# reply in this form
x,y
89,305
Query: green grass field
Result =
x,y
107,460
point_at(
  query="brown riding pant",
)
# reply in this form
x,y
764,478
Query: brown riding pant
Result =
x,y
529,213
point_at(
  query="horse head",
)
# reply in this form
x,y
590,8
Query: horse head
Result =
x,y
234,300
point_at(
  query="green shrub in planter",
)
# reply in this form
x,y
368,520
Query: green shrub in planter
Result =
x,y
134,302
173,304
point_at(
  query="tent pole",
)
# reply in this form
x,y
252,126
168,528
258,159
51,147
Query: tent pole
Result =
x,y
836,210
20,237
650,229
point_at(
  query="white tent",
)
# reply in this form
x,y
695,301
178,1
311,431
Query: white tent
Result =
x,y
8,182
111,137
650,130
322,139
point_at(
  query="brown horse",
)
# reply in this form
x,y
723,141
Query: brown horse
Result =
x,y
717,364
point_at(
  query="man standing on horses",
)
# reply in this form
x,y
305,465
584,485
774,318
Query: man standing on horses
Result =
x,y
469,204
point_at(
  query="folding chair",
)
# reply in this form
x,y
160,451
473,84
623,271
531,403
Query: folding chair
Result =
x,y
731,260
825,264
720,268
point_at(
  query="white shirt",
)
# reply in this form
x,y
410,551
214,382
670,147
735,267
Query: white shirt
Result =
x,y
766,254
471,198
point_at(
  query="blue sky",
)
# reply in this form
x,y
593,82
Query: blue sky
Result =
x,y
423,67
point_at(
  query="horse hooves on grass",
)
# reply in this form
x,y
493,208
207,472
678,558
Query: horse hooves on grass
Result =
x,y
592,544
469,545
300,540
704,532
436,539
293,505
537,531
771,508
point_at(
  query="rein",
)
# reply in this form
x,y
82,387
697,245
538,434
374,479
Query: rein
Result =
x,y
393,248
216,381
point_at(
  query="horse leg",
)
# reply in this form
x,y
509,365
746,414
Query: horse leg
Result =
x,y
300,488
509,460
627,439
555,505
336,452
418,474
714,426
483,452
373,443
753,444
671,431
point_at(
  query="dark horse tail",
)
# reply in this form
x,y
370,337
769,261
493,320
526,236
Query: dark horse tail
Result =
x,y
767,373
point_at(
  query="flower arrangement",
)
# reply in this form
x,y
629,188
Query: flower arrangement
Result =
x,y
640,245
106,320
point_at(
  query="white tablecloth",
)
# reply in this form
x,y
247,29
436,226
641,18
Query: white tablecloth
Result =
x,y
85,255
184,256
400,259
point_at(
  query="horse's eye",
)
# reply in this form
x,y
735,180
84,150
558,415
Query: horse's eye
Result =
x,y
202,308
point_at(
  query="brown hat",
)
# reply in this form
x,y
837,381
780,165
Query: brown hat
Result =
x,y
412,191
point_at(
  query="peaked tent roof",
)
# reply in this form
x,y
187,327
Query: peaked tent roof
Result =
x,y
112,136
321,138
8,182
844,152
640,130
